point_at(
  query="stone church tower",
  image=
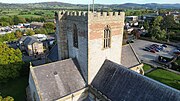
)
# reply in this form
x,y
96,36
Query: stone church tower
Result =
x,y
90,38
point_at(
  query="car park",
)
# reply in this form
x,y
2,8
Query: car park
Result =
x,y
155,48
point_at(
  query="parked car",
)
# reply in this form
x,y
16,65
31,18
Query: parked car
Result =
x,y
152,51
164,45
157,50
178,48
177,53
129,41
146,49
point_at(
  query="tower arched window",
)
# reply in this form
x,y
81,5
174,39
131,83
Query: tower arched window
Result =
x,y
107,37
75,36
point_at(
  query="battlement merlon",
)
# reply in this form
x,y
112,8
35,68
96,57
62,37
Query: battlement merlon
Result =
x,y
67,14
90,15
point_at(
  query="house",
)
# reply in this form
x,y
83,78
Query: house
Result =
x,y
90,66
35,25
32,46
131,18
40,37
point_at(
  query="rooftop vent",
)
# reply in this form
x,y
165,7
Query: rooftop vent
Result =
x,y
55,73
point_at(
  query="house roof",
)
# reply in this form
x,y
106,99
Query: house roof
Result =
x,y
121,84
129,58
53,54
57,79
23,38
30,40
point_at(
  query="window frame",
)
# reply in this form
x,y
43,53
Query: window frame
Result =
x,y
107,37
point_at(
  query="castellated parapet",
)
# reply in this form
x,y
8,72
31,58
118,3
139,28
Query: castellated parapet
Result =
x,y
84,15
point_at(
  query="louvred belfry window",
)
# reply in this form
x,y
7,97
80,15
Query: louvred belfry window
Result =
x,y
107,37
75,36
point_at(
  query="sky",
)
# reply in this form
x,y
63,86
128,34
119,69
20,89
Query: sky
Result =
x,y
96,1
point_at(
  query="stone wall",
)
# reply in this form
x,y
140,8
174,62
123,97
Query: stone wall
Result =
x,y
32,87
96,53
79,53
67,20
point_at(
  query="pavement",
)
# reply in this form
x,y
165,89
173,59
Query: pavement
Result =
x,y
149,57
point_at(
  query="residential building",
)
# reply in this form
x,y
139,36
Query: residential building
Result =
x,y
32,46
131,18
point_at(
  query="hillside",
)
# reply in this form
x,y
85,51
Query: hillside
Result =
x,y
61,5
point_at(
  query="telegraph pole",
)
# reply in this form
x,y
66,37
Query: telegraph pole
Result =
x,y
93,6
88,6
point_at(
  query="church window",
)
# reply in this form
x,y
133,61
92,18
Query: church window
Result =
x,y
75,36
107,37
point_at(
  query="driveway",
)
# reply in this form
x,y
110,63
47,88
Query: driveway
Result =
x,y
146,56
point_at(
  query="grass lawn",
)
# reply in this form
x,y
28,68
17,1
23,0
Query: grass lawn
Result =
x,y
166,77
146,67
15,88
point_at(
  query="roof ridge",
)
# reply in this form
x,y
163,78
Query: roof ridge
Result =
x,y
135,54
53,63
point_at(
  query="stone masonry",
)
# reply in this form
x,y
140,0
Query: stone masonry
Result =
x,y
90,53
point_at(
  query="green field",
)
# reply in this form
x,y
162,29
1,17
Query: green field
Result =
x,y
146,67
30,13
29,16
166,77
15,88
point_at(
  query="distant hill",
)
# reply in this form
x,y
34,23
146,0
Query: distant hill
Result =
x,y
61,5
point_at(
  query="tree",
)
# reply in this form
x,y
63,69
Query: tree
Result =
x,y
49,25
40,31
8,98
18,19
18,34
6,21
146,25
30,32
169,22
10,62
7,37
4,24
157,21
136,33
156,31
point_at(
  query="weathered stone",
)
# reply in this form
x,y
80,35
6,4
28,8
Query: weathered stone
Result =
x,y
90,53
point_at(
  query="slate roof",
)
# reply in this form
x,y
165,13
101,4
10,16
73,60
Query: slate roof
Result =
x,y
57,79
53,54
121,84
39,62
129,58
23,38
30,40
